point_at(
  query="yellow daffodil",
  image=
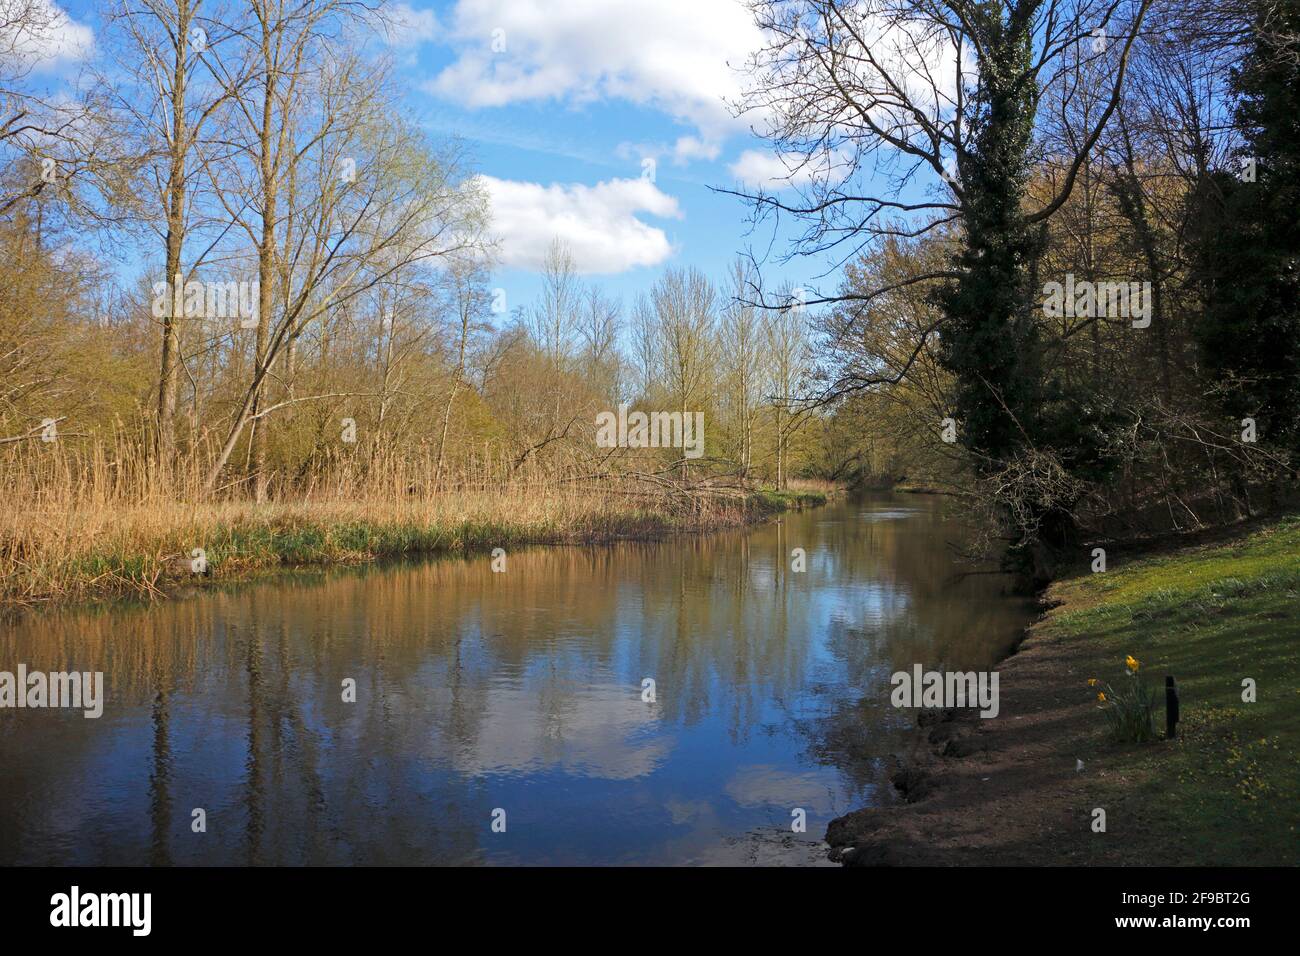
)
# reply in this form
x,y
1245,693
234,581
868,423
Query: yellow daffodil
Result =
x,y
1101,696
1092,682
1133,663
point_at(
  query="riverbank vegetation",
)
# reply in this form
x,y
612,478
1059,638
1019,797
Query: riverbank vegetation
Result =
x,y
1072,292
246,302
1221,618
117,525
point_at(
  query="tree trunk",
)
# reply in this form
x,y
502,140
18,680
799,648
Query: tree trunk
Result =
x,y
266,275
169,365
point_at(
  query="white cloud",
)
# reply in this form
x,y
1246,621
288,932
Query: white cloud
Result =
x,y
763,169
681,152
599,732
599,223
406,26
49,38
759,785
692,147
677,56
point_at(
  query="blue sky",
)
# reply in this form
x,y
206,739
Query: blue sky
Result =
x,y
561,103
578,95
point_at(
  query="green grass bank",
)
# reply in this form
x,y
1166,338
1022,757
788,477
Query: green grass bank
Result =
x,y
1226,789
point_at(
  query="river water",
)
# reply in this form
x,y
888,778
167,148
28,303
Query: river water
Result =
x,y
515,698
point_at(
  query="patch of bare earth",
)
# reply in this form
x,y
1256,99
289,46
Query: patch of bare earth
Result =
x,y
984,792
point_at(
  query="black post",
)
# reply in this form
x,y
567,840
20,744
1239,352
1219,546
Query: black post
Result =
x,y
1171,707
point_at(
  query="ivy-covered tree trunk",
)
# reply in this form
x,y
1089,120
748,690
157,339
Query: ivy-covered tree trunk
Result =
x,y
989,340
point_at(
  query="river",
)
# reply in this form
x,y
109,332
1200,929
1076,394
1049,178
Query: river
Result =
x,y
503,717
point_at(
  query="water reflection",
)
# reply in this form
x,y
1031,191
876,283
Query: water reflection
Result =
x,y
520,690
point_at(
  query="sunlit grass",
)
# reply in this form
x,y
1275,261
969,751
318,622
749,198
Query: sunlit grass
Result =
x,y
1227,788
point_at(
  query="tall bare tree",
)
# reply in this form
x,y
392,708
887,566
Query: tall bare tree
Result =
x,y
338,191
167,99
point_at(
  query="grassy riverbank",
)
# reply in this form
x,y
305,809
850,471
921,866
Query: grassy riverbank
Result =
x,y
1225,790
50,554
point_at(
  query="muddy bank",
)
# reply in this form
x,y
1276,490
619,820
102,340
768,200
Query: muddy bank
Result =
x,y
997,791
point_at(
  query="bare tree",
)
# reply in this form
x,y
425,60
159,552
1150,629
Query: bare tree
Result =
x,y
789,367
31,126
871,103
470,300
742,339
338,192
645,344
598,328
553,324
685,304
166,101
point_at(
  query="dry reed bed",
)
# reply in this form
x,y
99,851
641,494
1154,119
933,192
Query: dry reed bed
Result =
x,y
106,522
